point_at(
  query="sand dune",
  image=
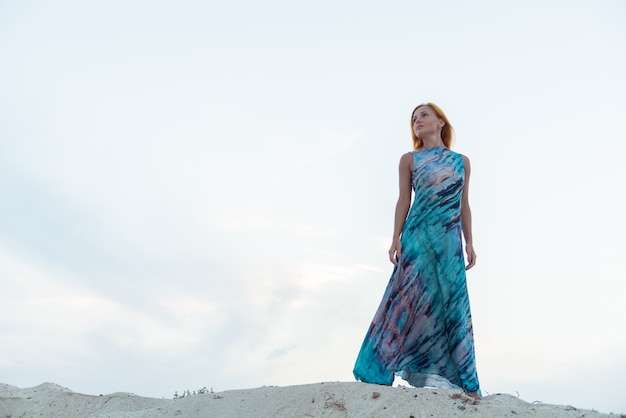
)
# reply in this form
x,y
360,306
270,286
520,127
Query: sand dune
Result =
x,y
334,399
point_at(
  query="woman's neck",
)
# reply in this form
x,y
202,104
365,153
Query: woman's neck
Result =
x,y
432,141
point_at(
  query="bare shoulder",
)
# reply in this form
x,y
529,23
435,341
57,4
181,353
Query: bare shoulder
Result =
x,y
406,157
406,161
466,162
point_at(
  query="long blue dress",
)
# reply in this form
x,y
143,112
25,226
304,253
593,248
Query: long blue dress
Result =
x,y
422,330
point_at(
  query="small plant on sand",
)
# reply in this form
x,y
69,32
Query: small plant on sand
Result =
x,y
187,392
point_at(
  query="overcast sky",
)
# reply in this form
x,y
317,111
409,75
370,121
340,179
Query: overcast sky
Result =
x,y
201,193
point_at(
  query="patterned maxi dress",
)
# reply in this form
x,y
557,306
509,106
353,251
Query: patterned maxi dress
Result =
x,y
422,330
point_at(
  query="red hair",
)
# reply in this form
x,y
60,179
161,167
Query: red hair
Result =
x,y
447,132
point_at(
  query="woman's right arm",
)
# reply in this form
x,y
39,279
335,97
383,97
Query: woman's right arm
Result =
x,y
402,206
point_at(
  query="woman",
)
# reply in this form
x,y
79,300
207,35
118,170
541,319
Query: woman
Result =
x,y
422,330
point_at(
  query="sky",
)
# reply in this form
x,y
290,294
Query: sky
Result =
x,y
201,193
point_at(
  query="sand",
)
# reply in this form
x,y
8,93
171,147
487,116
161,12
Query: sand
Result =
x,y
331,399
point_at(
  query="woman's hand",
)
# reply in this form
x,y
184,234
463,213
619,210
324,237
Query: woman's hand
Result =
x,y
394,251
471,256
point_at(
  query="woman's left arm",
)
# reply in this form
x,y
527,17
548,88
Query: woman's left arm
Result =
x,y
466,217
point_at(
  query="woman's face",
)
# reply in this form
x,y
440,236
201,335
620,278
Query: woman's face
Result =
x,y
426,122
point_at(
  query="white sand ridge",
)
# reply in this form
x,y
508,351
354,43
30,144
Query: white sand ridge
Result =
x,y
334,399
